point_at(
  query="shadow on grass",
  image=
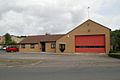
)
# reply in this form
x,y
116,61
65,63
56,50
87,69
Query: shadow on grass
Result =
x,y
114,55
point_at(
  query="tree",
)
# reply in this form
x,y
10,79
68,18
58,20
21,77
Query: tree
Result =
x,y
115,40
8,40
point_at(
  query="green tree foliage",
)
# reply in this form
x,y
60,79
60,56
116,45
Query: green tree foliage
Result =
x,y
8,40
115,40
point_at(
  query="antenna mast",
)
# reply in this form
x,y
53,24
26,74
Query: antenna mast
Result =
x,y
88,12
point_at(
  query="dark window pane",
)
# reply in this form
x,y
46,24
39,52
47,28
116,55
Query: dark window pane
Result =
x,y
53,45
90,46
22,45
32,45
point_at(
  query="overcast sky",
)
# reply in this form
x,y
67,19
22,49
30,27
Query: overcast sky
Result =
x,y
30,17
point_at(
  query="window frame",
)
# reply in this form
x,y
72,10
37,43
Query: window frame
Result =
x,y
22,45
32,46
53,45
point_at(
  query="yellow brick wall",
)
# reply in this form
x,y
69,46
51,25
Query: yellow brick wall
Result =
x,y
87,28
37,48
29,49
48,47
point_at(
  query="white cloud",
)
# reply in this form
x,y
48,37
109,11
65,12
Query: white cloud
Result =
x,y
108,14
24,17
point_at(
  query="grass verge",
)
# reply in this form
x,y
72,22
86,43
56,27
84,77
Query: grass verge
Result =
x,y
114,55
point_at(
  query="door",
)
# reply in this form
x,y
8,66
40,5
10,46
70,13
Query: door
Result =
x,y
43,46
90,43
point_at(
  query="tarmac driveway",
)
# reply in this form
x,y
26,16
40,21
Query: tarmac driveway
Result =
x,y
53,60
61,67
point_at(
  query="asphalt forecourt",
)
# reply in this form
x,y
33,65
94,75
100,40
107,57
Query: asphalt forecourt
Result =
x,y
31,66
18,62
56,60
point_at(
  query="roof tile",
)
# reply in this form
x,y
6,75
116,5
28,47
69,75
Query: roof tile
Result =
x,y
41,38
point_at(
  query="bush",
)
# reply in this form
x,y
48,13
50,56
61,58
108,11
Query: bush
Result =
x,y
113,51
115,55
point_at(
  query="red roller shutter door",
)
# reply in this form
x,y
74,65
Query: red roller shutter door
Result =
x,y
90,43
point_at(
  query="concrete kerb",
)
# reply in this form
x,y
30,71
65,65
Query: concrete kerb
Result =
x,y
87,54
51,53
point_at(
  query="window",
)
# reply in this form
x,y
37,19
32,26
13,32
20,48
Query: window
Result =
x,y
23,46
62,47
32,46
53,45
